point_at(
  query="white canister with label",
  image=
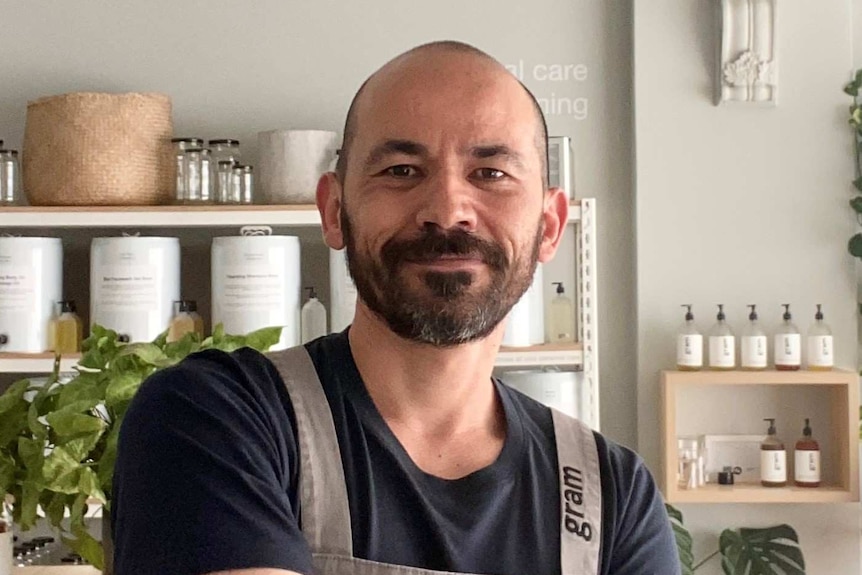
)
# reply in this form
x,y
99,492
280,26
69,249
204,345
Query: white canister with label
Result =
x,y
31,283
256,284
134,282
342,291
561,390
525,325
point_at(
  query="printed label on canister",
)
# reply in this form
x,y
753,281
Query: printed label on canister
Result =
x,y
689,350
773,466
18,289
254,288
820,351
807,468
754,351
128,288
788,349
722,351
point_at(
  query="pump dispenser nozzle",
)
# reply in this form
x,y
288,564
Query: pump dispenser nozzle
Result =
x,y
688,315
806,431
560,288
787,316
753,315
311,292
772,430
819,314
720,315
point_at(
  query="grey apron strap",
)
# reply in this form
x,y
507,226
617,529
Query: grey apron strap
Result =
x,y
580,496
323,490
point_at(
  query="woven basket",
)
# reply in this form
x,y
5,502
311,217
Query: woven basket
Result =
x,y
91,149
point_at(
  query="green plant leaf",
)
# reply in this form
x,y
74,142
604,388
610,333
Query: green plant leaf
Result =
x,y
87,547
13,396
61,471
32,455
79,448
88,484
147,352
109,458
28,503
55,508
683,539
851,89
11,424
36,427
856,204
122,388
67,423
854,246
86,386
768,551
7,472
857,183
263,339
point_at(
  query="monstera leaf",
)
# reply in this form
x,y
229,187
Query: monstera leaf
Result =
x,y
683,540
769,551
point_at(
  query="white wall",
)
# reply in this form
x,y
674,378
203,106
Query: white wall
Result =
x,y
235,68
740,205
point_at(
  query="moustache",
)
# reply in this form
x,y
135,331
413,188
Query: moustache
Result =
x,y
433,244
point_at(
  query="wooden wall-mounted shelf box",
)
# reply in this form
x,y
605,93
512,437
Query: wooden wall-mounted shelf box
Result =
x,y
725,402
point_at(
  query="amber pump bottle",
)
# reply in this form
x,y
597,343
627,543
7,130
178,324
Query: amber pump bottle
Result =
x,y
773,459
182,323
806,469
68,330
788,344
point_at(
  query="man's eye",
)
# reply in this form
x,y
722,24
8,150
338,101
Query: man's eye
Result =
x,y
401,171
490,174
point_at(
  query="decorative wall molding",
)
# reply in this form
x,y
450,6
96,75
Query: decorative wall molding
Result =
x,y
748,60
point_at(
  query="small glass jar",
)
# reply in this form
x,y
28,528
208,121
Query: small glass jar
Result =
x,y
224,178
7,556
197,176
11,191
225,150
180,145
242,185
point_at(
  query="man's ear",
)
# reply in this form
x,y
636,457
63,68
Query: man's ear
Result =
x,y
555,215
329,205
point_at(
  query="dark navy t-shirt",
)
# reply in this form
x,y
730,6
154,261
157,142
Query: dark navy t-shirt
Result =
x,y
207,474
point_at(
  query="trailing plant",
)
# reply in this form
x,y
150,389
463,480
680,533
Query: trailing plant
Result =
x,y
58,440
853,89
744,551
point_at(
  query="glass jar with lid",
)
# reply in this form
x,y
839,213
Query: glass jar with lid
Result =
x,y
180,145
242,185
198,176
225,150
11,191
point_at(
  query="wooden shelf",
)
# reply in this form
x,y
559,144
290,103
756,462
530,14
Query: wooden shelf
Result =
x,y
35,362
172,216
571,354
755,493
834,393
56,570
534,356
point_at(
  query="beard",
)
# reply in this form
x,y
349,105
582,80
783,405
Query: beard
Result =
x,y
443,311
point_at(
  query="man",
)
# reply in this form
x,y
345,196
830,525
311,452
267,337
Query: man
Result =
x,y
389,448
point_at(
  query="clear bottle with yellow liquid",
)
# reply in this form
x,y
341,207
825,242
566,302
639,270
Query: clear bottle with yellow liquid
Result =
x,y
722,344
67,331
182,323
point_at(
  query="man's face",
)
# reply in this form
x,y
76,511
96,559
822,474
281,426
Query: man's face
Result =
x,y
442,201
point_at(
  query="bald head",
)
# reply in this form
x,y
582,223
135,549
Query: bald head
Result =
x,y
427,53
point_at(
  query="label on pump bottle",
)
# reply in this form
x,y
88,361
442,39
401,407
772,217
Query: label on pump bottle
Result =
x,y
754,351
820,351
773,465
689,350
722,351
807,468
788,349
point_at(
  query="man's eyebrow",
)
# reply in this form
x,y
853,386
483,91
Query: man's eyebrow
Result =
x,y
406,147
498,150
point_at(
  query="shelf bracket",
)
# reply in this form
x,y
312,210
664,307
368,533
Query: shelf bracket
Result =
x,y
748,61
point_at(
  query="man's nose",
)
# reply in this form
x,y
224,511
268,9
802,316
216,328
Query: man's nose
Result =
x,y
448,202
